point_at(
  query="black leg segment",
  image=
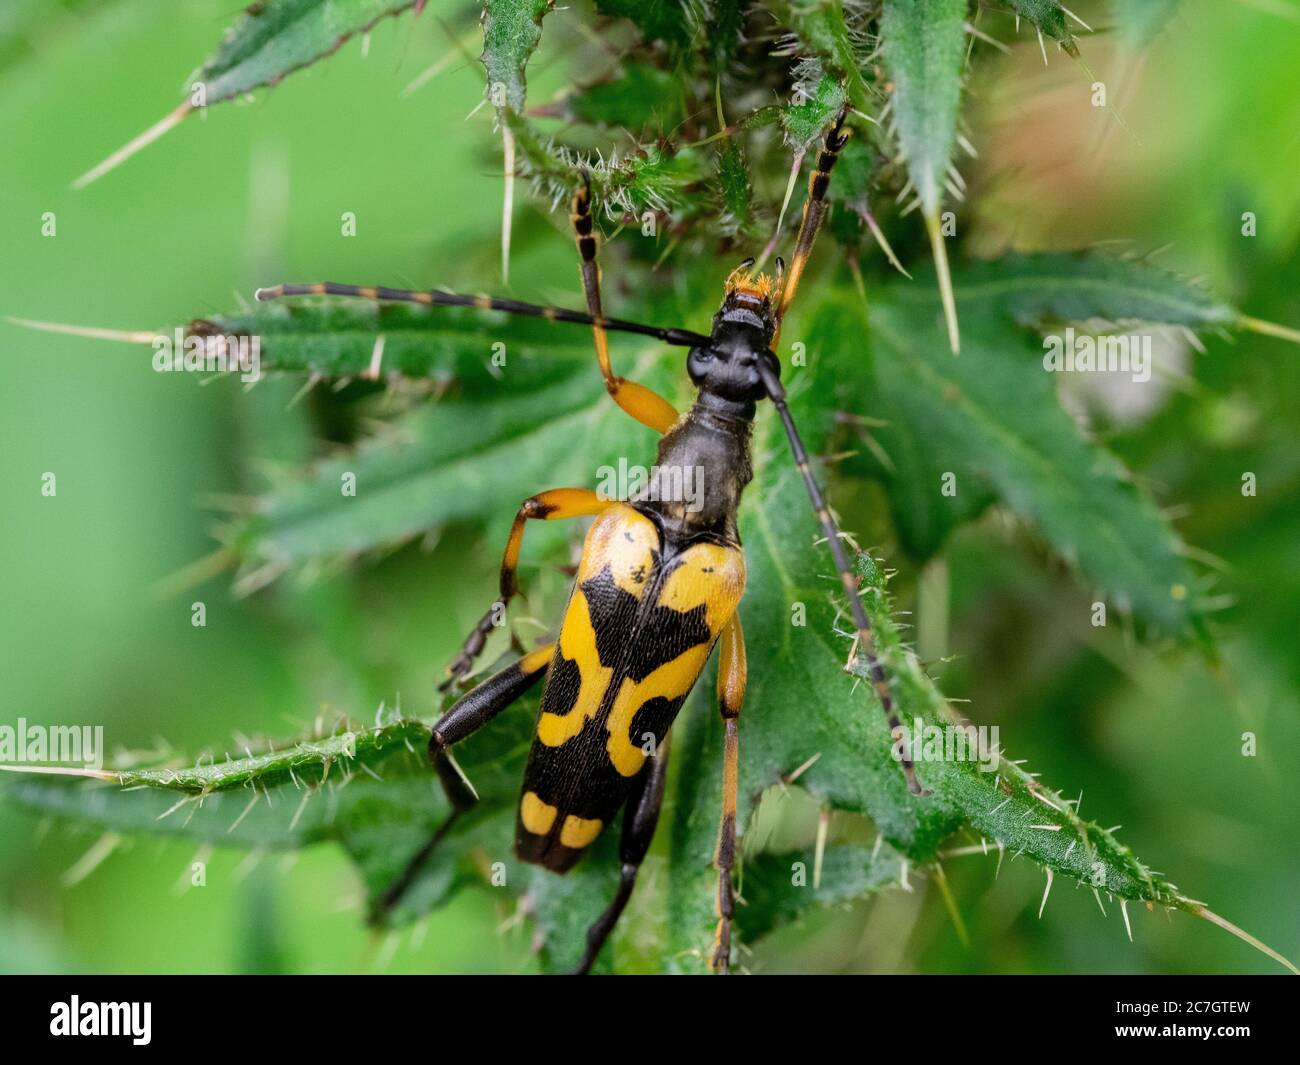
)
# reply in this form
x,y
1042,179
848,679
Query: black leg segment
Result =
x,y
470,713
640,817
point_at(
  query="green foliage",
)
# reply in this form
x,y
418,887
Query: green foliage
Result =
x,y
464,439
924,45
835,34
1075,287
512,30
736,209
1049,18
382,805
276,37
816,104
441,463
338,340
999,428
641,96
654,178
475,452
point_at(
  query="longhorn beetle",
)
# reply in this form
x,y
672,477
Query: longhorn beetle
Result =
x,y
657,585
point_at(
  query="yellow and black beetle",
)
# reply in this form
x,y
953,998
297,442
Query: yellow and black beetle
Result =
x,y
657,585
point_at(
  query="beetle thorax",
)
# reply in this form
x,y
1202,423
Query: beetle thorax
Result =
x,y
702,468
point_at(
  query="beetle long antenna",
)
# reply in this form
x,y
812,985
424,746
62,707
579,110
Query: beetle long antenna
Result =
x,y
680,337
866,643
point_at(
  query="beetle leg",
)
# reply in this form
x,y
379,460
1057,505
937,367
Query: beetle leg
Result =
x,y
814,211
639,819
732,673
553,505
646,406
469,714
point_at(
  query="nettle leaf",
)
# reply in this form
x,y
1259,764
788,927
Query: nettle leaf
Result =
x,y
818,99
467,351
512,29
821,28
803,711
513,399
276,37
898,453
1045,290
242,801
383,823
781,887
1077,286
566,906
369,789
228,818
456,460
925,48
1049,19
994,423
305,762
503,429
654,177
385,342
271,40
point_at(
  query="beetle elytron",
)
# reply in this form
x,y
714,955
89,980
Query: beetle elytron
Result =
x,y
657,585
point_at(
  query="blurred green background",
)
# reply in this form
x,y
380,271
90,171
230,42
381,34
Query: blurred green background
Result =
x,y
253,193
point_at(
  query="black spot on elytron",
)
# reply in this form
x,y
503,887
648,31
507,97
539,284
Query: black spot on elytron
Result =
x,y
657,636
653,716
666,635
613,613
562,686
